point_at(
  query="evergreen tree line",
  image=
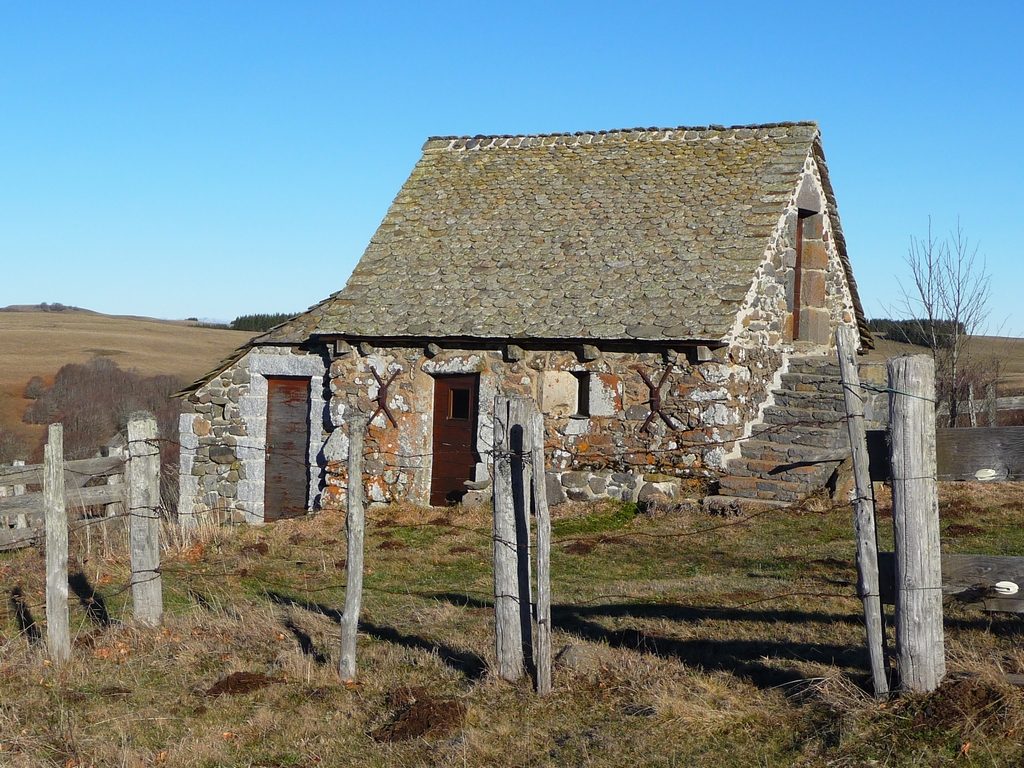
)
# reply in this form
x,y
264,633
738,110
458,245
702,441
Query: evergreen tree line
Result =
x,y
259,322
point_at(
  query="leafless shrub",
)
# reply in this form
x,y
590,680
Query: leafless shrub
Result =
x,y
11,446
94,401
949,301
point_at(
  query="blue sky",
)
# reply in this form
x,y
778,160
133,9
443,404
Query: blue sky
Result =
x,y
216,159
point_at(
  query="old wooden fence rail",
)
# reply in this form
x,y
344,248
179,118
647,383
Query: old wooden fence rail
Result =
x,y
989,454
21,509
139,494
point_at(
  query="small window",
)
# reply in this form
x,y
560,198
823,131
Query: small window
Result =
x,y
458,405
582,392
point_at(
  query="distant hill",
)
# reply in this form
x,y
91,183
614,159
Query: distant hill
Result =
x,y
37,342
44,307
1008,350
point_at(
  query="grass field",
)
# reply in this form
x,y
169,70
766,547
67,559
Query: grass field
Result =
x,y
39,343
1008,351
685,640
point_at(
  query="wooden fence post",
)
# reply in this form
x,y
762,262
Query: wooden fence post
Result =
x,y
863,508
507,623
142,473
355,528
919,635
521,410
58,632
542,647
19,489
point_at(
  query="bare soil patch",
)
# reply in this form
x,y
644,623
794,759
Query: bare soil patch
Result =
x,y
240,682
419,714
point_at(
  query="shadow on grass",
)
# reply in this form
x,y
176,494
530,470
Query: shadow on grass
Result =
x,y
744,658
468,663
23,616
91,600
306,644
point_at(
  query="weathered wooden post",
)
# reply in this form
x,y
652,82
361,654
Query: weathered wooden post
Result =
x,y
863,509
19,488
508,627
142,473
58,632
542,646
521,410
355,529
992,405
919,635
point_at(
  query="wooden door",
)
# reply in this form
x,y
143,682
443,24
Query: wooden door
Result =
x,y
454,453
287,459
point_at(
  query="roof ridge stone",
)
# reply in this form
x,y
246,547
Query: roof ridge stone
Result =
x,y
577,138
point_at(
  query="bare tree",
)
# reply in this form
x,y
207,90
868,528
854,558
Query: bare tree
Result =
x,y
949,301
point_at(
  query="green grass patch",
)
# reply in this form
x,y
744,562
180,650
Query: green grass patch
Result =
x,y
601,521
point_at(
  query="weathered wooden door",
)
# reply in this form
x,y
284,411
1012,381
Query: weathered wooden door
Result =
x,y
287,464
454,459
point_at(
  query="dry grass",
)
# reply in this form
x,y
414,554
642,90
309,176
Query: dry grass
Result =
x,y
1009,351
39,343
684,640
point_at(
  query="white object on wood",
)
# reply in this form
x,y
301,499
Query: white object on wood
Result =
x,y
864,509
142,473
58,632
355,530
1006,588
919,634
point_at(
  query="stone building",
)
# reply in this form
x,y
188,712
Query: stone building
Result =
x,y
659,292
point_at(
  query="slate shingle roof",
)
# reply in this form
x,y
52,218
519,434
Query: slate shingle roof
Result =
x,y
647,234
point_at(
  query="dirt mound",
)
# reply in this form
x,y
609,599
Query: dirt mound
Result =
x,y
580,547
239,682
961,701
419,714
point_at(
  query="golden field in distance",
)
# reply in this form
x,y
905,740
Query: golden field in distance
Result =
x,y
37,343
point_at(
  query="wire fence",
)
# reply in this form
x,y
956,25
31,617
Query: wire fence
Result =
x,y
176,561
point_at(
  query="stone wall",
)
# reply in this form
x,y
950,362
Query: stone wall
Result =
x,y
766,318
223,437
598,455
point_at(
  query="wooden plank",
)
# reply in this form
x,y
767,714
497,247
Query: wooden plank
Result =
x,y
864,509
993,453
961,453
507,630
355,527
142,472
31,504
19,538
542,648
1001,404
58,631
32,474
920,648
967,579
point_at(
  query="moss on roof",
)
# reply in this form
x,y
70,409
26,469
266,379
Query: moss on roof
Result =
x,y
649,234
